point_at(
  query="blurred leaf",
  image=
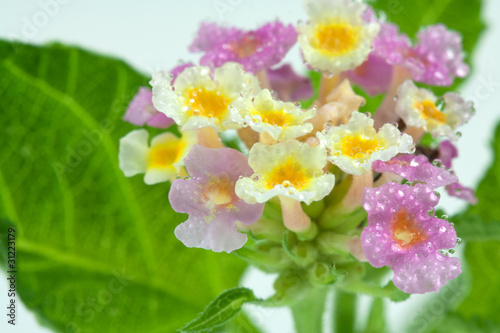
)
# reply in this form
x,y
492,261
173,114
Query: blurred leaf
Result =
x,y
308,311
484,258
226,306
96,250
376,319
345,312
473,229
240,324
457,324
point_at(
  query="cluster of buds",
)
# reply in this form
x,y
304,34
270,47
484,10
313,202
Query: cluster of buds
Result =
x,y
319,192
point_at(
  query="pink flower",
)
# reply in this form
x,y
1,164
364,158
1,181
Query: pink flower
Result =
x,y
459,191
256,50
436,59
440,52
208,197
289,85
402,235
141,111
374,75
448,152
416,169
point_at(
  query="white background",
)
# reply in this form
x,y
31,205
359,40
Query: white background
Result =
x,y
154,35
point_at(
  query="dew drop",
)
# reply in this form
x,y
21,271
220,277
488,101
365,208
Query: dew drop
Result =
x,y
255,177
459,241
451,251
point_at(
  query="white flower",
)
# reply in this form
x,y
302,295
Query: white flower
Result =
x,y
336,39
283,121
197,100
159,162
419,108
291,169
353,147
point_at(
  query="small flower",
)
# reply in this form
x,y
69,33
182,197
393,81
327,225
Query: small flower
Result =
x,y
416,169
420,108
289,85
353,147
256,50
447,153
402,235
283,121
436,59
374,75
459,191
209,198
197,100
336,38
440,51
159,162
291,169
141,111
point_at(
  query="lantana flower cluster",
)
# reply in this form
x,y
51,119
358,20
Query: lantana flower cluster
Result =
x,y
340,184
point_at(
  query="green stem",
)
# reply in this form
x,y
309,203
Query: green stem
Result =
x,y
345,310
308,312
376,320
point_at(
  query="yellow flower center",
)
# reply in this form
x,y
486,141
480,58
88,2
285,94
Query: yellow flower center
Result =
x,y
207,103
428,110
275,118
165,155
337,38
358,147
405,231
218,191
288,174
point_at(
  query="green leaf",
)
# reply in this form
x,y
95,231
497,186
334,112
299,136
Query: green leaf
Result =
x,y
457,324
221,310
241,324
483,258
96,251
471,228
